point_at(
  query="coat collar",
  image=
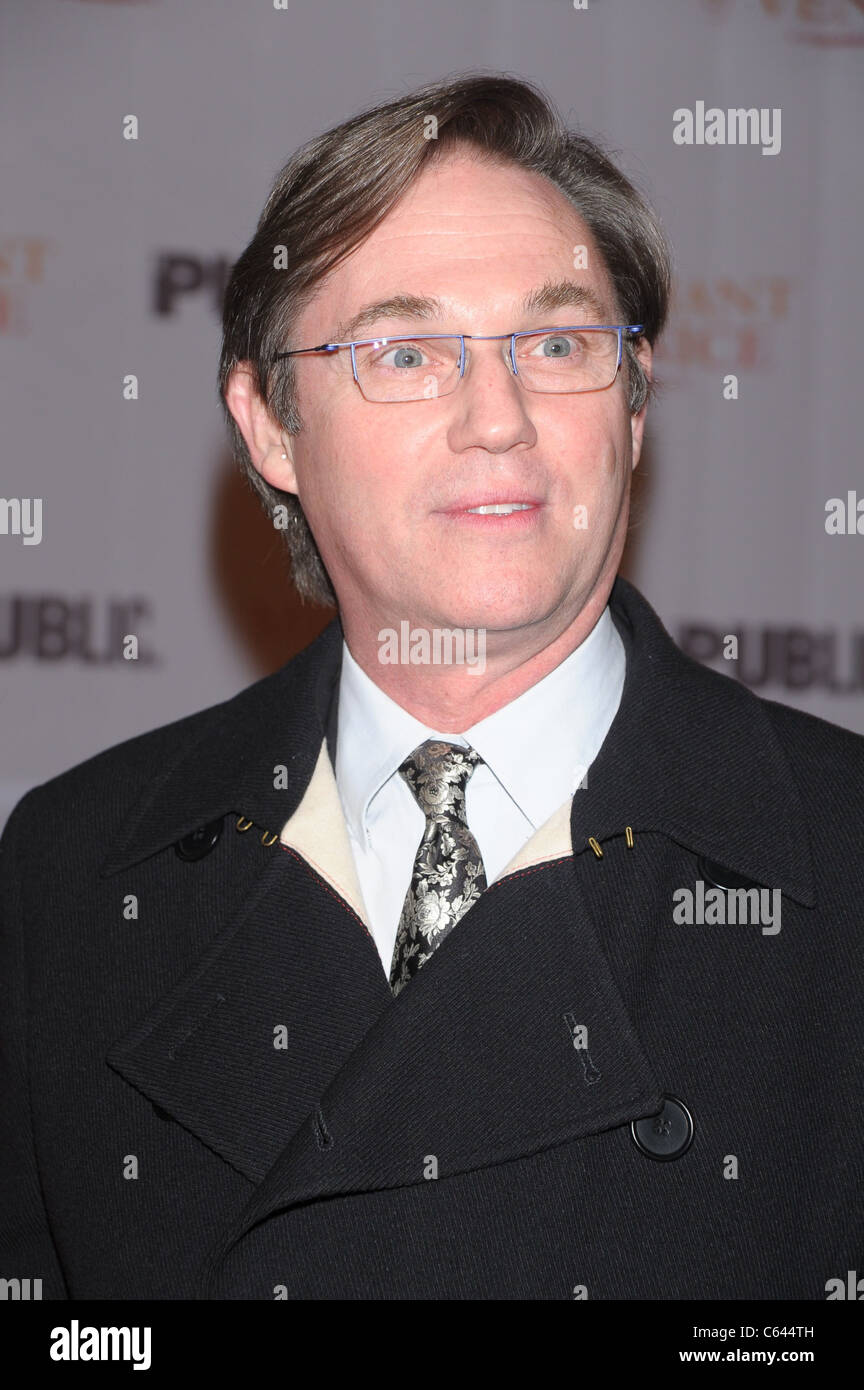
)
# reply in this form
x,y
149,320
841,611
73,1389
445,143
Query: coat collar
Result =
x,y
279,721
690,754
695,756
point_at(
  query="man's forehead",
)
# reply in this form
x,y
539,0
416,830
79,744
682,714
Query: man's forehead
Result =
x,y
372,285
480,183
552,295
466,201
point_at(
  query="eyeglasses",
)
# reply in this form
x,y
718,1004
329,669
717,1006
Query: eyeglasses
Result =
x,y
553,360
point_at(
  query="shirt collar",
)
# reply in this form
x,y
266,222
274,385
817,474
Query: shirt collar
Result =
x,y
539,746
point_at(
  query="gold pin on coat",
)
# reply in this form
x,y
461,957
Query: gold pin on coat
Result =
x,y
628,836
268,837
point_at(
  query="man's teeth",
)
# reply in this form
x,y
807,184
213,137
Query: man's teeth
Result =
x,y
501,508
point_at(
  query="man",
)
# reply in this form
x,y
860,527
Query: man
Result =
x,y
535,974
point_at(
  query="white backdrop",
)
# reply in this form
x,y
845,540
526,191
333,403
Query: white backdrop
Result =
x,y
112,257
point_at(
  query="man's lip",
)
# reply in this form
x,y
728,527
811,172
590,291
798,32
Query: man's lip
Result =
x,y
491,501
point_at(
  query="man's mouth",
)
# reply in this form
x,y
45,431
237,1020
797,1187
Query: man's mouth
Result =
x,y
507,514
488,503
500,508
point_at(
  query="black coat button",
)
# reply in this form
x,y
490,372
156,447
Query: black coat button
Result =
x,y
200,842
712,872
667,1135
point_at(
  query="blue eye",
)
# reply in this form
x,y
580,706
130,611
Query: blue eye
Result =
x,y
559,346
404,355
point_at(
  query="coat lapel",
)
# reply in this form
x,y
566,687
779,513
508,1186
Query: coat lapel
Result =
x,y
239,1050
474,1063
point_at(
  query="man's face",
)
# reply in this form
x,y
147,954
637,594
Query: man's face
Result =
x,y
385,486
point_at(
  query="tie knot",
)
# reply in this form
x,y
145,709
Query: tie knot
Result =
x,y
438,773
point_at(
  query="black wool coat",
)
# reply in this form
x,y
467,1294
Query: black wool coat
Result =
x,y
209,1091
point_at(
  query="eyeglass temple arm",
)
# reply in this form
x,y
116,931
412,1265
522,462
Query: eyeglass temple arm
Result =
x,y
298,352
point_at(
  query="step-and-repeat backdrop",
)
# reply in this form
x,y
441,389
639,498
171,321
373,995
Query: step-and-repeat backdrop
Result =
x,y
125,515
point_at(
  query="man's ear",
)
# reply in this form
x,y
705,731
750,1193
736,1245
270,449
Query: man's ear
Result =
x,y
269,449
637,422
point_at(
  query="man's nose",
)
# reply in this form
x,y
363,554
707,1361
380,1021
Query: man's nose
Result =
x,y
491,408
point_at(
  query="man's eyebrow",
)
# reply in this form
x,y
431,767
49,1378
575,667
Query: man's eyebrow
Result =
x,y
563,294
554,294
397,306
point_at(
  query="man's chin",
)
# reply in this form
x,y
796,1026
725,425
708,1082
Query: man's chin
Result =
x,y
493,616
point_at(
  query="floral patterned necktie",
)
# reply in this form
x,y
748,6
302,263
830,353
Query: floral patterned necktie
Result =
x,y
448,871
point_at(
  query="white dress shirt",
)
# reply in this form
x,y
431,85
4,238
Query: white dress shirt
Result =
x,y
535,750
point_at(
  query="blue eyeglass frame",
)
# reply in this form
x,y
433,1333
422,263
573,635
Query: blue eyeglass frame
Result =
x,y
633,330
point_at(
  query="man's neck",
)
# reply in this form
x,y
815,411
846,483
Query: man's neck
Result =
x,y
453,698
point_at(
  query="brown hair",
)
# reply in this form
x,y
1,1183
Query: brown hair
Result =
x,y
336,189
